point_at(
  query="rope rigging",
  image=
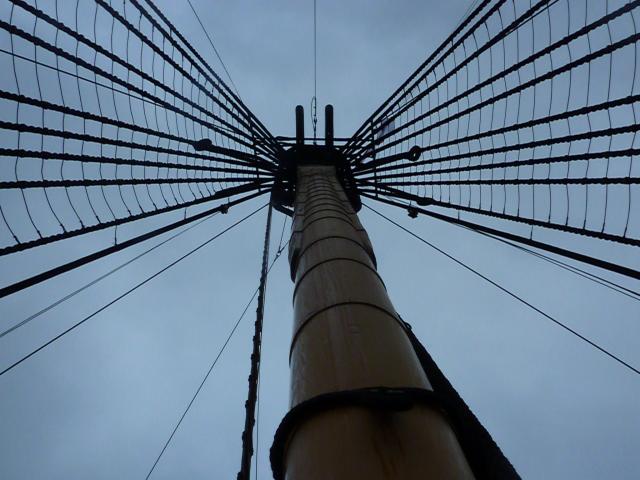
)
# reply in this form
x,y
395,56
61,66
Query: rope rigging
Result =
x,y
521,244
571,268
499,145
521,126
510,293
254,375
314,99
213,364
102,277
125,135
126,293
54,272
501,124
215,50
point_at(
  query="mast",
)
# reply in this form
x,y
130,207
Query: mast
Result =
x,y
361,403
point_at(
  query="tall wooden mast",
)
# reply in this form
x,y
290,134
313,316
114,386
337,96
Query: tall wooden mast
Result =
x,y
362,405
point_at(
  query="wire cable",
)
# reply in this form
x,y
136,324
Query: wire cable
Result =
x,y
131,290
102,277
314,100
510,293
526,240
470,8
504,114
565,266
284,224
616,287
66,267
214,47
213,364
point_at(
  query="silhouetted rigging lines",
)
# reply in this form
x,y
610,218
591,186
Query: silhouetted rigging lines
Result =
x,y
521,126
122,140
214,362
102,277
127,292
511,294
526,114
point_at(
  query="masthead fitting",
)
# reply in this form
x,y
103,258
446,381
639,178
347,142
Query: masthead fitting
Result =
x,y
328,125
299,125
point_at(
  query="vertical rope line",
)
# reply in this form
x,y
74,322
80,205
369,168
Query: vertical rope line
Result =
x,y
315,49
314,100
250,404
257,428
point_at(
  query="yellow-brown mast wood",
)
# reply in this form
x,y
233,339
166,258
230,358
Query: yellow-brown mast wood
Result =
x,y
348,338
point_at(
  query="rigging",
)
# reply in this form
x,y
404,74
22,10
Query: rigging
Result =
x,y
510,293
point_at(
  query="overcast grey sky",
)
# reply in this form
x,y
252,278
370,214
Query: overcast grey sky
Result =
x,y
100,403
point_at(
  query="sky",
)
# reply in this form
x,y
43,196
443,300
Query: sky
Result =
x,y
102,401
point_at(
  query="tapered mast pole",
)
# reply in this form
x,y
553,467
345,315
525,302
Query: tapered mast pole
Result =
x,y
362,406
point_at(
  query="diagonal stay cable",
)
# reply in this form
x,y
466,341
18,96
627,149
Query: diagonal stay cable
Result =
x,y
102,277
511,294
284,224
215,50
132,289
616,287
78,262
526,240
213,364
281,247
